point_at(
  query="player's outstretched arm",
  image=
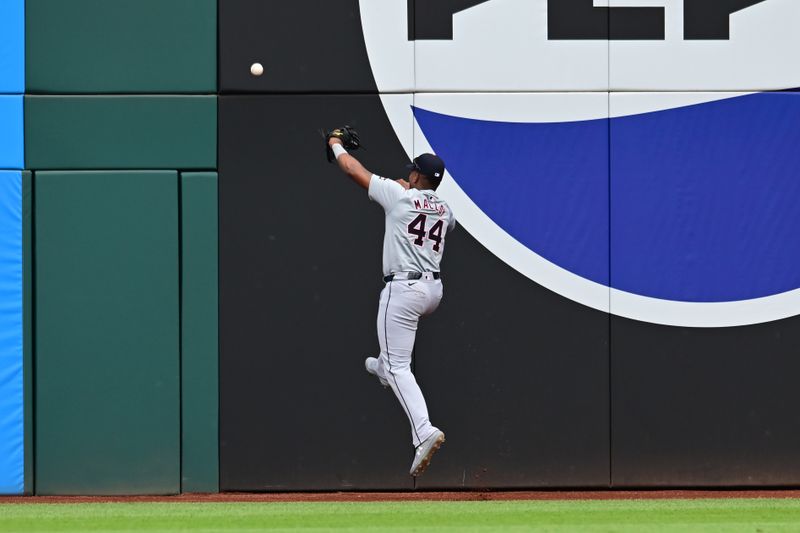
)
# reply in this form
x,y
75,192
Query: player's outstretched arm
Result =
x,y
350,165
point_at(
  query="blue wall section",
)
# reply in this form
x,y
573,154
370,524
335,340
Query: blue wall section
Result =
x,y
706,200
11,403
553,196
12,85
705,197
12,46
12,154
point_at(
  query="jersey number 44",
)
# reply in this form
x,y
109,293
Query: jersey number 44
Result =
x,y
418,228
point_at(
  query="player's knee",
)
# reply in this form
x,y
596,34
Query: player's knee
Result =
x,y
398,370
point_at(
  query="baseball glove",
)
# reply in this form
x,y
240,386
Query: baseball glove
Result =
x,y
347,135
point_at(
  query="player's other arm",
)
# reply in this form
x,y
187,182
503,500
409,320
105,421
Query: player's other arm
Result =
x,y
351,166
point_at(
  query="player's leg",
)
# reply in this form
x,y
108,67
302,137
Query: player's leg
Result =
x,y
398,315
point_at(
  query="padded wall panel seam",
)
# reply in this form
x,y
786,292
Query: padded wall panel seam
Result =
x,y
652,365
121,132
290,39
11,132
483,345
705,195
279,273
497,46
12,427
97,46
27,323
713,46
199,335
107,333
553,201
12,46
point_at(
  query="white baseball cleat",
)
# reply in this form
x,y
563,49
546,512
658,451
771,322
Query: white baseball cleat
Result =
x,y
425,452
371,364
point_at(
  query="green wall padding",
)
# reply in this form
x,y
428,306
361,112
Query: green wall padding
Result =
x,y
107,333
27,324
199,336
120,132
121,46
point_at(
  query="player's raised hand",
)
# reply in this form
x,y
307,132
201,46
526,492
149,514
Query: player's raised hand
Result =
x,y
337,142
346,135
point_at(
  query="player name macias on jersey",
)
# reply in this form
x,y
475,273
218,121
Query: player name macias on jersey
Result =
x,y
430,204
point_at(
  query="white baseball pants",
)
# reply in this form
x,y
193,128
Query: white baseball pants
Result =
x,y
402,303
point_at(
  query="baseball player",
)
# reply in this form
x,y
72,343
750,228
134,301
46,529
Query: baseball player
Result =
x,y
417,222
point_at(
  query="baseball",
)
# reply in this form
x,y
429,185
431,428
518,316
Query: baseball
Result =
x,y
256,69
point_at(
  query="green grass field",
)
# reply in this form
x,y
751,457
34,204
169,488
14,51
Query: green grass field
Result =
x,y
641,516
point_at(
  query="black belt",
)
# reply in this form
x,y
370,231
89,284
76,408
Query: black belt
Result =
x,y
410,276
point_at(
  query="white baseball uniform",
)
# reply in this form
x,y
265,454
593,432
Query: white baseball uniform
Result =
x,y
417,222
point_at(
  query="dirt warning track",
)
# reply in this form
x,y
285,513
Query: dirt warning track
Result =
x,y
284,497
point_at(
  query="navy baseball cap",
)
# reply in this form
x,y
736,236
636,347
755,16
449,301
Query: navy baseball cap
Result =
x,y
429,165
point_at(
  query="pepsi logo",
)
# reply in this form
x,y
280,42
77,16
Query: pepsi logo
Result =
x,y
650,178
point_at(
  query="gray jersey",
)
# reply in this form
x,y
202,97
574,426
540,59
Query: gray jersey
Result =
x,y
416,225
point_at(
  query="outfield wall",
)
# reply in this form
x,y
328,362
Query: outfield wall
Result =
x,y
621,297
14,351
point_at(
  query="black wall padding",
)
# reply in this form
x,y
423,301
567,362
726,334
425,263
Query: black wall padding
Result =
x,y
304,46
705,407
300,273
515,374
